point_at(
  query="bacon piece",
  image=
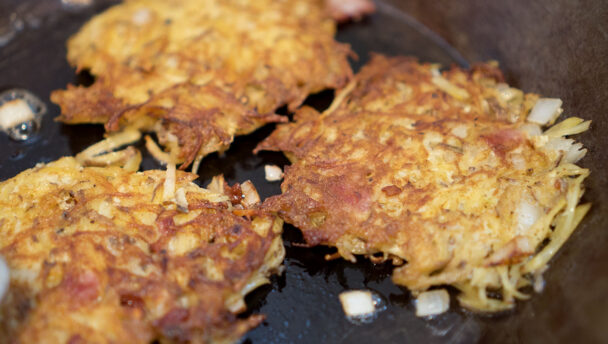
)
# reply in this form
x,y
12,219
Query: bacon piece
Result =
x,y
504,140
83,287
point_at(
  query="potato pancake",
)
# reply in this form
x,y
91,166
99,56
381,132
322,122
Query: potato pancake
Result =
x,y
447,171
202,71
98,255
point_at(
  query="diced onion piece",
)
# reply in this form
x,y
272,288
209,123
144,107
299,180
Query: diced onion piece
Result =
x,y
528,212
181,200
250,194
531,129
507,93
573,151
4,278
449,88
273,173
14,112
545,111
518,162
357,303
432,303
460,131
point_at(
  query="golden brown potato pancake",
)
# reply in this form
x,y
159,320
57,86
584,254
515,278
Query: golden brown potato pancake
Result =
x,y
441,170
98,255
202,71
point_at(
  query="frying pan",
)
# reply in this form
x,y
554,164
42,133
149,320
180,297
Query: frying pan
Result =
x,y
554,47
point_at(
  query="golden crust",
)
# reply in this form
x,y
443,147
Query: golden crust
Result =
x,y
204,119
259,54
434,169
96,255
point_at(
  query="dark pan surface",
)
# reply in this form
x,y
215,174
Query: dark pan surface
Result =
x,y
302,305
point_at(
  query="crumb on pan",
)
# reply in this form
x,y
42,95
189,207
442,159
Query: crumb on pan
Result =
x,y
357,302
273,173
14,112
433,302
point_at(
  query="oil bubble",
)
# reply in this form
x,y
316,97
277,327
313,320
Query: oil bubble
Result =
x,y
23,130
21,114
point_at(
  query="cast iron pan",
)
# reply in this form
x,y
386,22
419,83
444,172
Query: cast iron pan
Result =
x,y
302,305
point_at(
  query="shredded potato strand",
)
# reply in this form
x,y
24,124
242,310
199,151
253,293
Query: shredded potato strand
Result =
x,y
168,159
509,285
274,257
156,152
339,99
133,163
561,234
570,126
169,185
475,298
129,158
109,144
197,163
449,88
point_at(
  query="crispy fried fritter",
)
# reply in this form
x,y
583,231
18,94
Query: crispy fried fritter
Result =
x,y
238,60
440,170
96,255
